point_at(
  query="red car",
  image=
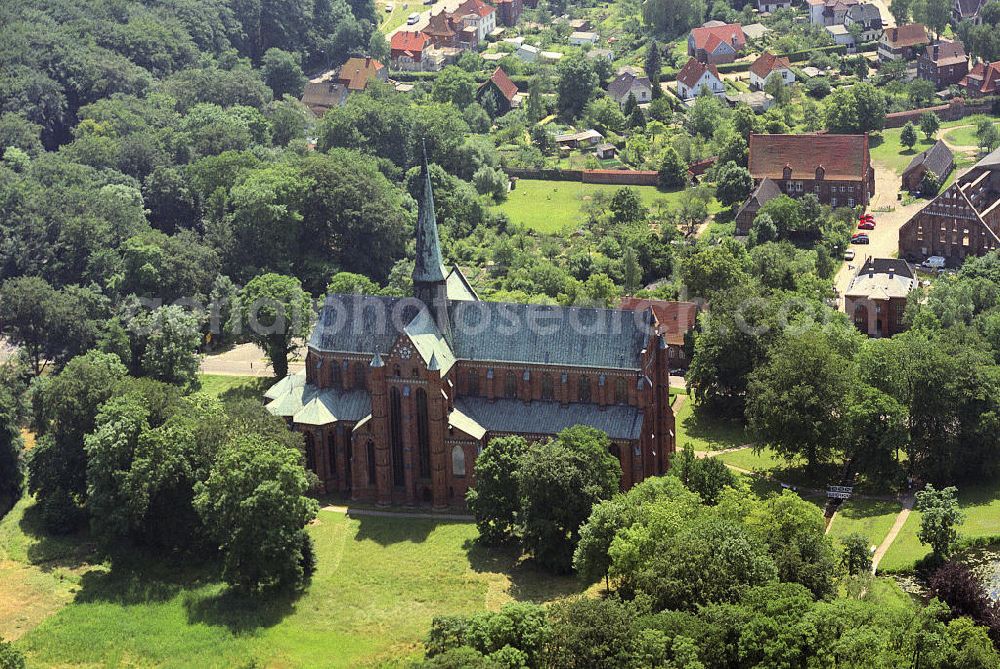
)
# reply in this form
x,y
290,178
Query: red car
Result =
x,y
866,225
866,217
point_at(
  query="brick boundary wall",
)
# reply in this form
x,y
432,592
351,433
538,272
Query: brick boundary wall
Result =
x,y
952,111
608,177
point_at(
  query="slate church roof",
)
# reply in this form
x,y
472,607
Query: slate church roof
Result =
x,y
506,415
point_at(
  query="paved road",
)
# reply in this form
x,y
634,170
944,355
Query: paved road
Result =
x,y
245,360
425,14
885,236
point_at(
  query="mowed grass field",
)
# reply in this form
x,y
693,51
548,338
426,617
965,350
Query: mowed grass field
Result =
x,y
891,153
981,505
551,206
706,433
378,585
871,517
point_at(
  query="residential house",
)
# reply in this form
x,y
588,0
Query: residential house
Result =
x,y
411,50
875,300
502,91
902,42
550,56
768,65
765,191
672,320
695,77
478,14
717,44
829,12
332,88
628,85
967,10
868,18
981,79
767,6
841,35
400,395
581,38
836,168
601,54
938,159
527,53
943,63
509,11
446,31
579,25
963,221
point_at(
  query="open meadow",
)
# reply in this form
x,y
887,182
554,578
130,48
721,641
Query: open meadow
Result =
x,y
379,583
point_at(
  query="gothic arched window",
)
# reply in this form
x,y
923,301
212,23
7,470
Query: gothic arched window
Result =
x,y
359,375
621,391
423,434
458,461
510,385
370,456
396,436
473,383
548,392
583,389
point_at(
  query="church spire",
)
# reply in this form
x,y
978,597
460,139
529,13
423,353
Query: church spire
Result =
x,y
428,267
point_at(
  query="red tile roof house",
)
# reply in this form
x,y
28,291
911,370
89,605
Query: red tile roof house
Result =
x,y
836,168
331,89
943,64
696,76
981,79
673,320
717,44
509,11
902,42
410,50
501,88
768,65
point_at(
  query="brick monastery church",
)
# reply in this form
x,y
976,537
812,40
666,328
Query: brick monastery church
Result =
x,y
399,395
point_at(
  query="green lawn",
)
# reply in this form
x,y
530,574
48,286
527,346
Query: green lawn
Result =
x,y
981,505
379,583
235,387
397,17
706,433
870,517
765,461
551,206
892,153
965,136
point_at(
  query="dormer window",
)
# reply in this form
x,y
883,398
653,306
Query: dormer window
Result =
x,y
820,173
786,174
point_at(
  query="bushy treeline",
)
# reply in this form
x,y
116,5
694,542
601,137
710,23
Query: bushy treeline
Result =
x,y
741,583
184,475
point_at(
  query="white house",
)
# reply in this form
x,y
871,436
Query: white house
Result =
x,y
629,84
695,77
767,66
581,38
868,18
841,35
772,5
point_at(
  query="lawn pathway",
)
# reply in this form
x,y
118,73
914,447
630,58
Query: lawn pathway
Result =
x,y
896,527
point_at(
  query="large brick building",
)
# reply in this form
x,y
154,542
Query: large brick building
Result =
x,y
876,298
399,395
836,168
962,221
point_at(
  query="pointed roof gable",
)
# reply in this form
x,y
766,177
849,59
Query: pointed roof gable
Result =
x,y
938,159
911,34
693,70
427,267
499,78
710,38
768,63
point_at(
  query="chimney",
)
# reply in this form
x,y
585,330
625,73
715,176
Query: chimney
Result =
x,y
892,272
937,48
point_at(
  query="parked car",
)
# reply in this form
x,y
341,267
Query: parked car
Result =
x,y
866,217
412,19
849,254
860,239
934,262
389,7
866,225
